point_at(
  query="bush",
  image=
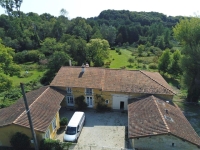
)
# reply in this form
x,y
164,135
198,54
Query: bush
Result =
x,y
80,103
63,121
49,144
20,141
119,53
101,106
112,48
153,66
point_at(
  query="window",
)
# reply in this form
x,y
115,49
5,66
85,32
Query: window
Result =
x,y
47,134
70,100
69,90
54,124
88,91
107,101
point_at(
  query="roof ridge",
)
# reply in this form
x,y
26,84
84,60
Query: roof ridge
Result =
x,y
161,114
30,105
155,81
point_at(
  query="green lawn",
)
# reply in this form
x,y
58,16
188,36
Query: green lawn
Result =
x,y
118,61
121,61
29,72
31,76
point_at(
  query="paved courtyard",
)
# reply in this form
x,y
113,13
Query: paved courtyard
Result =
x,y
101,131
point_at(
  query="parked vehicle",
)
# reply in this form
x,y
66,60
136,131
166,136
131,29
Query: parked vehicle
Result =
x,y
74,127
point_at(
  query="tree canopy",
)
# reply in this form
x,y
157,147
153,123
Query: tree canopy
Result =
x,y
187,32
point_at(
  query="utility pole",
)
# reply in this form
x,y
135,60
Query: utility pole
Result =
x,y
29,117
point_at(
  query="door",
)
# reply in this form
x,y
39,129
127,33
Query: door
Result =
x,y
89,101
122,105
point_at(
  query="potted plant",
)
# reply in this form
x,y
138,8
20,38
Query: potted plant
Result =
x,y
63,122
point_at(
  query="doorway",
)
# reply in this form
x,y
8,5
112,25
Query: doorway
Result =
x,y
122,105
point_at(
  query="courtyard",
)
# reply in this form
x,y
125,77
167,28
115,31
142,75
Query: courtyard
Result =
x,y
107,130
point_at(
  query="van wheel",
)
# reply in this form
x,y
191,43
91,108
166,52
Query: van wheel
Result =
x,y
76,140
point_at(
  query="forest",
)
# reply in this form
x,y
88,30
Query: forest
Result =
x,y
49,42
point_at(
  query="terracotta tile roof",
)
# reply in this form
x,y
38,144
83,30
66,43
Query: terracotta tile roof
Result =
x,y
9,114
112,80
73,77
43,108
153,116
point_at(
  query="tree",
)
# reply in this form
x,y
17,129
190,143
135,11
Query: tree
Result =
x,y
49,46
108,33
141,49
131,60
20,141
164,61
57,60
7,66
63,12
187,31
175,68
97,51
10,5
5,83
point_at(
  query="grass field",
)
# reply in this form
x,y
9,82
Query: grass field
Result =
x,y
30,72
118,61
30,76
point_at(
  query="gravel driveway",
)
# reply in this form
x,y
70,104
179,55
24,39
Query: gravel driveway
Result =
x,y
101,131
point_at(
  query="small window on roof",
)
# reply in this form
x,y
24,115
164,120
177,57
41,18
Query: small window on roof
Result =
x,y
107,101
168,118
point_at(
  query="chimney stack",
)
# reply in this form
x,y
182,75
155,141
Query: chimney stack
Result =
x,y
70,63
83,68
87,65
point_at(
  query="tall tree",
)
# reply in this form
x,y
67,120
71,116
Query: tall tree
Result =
x,y
175,68
187,31
11,6
164,61
108,33
97,51
7,67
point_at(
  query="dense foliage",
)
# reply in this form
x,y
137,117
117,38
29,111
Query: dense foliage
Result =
x,y
20,141
188,33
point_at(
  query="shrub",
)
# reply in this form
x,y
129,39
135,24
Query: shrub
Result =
x,y
49,144
63,121
117,50
101,106
112,48
119,53
153,66
20,141
80,103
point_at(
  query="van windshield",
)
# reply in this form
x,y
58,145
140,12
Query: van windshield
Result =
x,y
71,130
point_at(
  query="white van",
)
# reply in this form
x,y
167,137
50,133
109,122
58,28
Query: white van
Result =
x,y
74,127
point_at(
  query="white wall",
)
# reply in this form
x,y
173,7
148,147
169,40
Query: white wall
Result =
x,y
162,142
117,98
